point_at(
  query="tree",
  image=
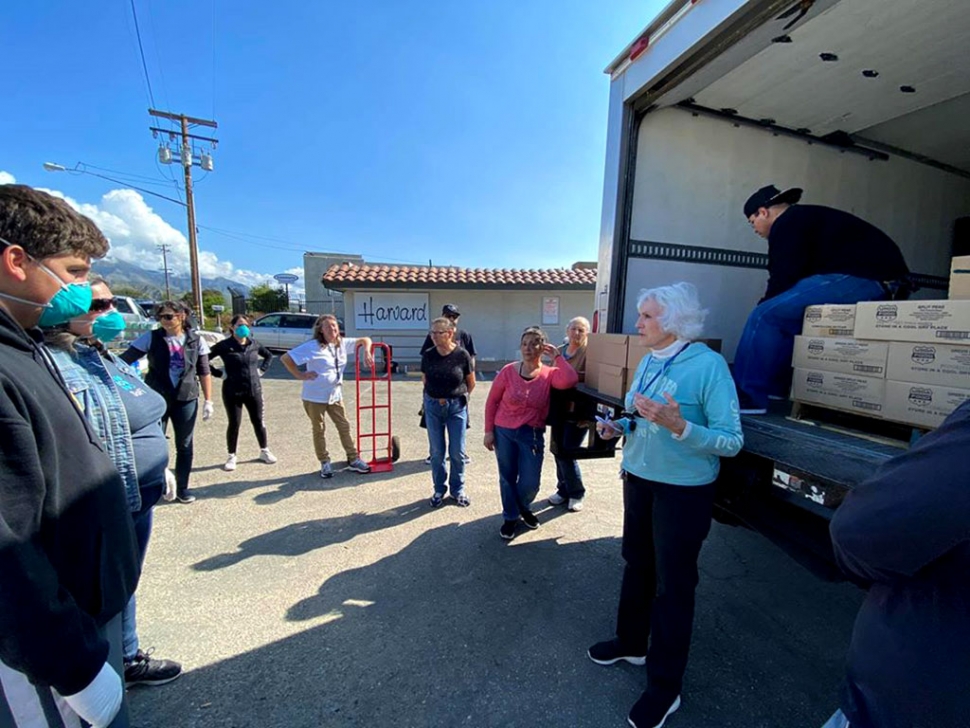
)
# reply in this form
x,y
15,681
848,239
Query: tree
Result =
x,y
266,299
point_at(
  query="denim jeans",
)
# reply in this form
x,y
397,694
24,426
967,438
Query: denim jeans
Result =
x,y
452,416
143,531
762,362
838,720
182,415
569,480
519,454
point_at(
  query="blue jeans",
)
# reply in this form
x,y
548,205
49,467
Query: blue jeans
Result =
x,y
143,532
762,362
519,454
569,480
838,720
452,415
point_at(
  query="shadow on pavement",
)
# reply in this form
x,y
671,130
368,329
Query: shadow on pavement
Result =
x,y
458,629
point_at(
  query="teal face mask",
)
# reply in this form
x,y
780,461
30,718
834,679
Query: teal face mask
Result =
x,y
73,300
109,326
243,331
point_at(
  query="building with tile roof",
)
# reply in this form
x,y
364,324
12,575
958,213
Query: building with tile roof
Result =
x,y
396,303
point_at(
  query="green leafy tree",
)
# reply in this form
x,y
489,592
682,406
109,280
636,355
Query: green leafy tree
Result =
x,y
266,299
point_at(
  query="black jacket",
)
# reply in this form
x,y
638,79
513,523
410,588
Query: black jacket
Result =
x,y
242,365
68,559
808,240
906,534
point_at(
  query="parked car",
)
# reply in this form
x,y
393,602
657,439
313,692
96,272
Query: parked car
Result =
x,y
282,331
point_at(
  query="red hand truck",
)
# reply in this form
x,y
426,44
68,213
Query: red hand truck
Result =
x,y
384,448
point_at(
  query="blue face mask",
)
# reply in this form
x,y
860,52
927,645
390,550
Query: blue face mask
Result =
x,y
242,331
71,301
109,326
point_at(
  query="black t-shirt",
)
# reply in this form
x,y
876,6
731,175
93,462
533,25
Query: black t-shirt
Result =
x,y
444,376
808,240
462,338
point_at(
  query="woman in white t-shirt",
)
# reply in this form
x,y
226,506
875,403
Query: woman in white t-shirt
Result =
x,y
325,356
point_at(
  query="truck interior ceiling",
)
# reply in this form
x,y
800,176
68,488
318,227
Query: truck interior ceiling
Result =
x,y
888,75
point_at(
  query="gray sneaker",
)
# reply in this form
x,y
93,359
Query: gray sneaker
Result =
x,y
326,471
358,466
556,500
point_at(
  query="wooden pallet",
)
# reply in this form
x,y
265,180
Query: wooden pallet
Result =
x,y
848,423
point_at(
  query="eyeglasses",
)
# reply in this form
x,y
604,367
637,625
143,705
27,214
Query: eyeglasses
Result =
x,y
101,304
166,317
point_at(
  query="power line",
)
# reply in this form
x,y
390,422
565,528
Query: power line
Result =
x,y
141,50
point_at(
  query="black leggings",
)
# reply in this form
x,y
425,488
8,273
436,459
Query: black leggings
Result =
x,y
182,416
234,402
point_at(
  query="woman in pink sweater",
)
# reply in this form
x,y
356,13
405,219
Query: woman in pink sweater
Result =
x,y
515,423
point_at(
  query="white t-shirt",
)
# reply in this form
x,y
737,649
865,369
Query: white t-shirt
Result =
x,y
328,361
176,352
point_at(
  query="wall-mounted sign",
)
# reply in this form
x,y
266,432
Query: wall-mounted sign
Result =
x,y
550,310
385,310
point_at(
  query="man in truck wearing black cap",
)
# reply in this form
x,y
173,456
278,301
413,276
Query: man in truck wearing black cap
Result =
x,y
816,255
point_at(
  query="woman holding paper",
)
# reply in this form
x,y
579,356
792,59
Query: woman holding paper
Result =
x,y
683,418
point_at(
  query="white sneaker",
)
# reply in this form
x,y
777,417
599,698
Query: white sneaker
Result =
x,y
556,500
230,463
325,470
575,504
266,456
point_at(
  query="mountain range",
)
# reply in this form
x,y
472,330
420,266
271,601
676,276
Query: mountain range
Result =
x,y
152,282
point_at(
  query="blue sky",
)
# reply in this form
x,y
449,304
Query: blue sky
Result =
x,y
469,134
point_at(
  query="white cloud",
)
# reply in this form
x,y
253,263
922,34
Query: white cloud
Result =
x,y
6,178
135,231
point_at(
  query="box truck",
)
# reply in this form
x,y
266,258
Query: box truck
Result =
x,y
864,105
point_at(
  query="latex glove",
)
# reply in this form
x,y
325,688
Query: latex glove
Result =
x,y
100,701
169,494
207,409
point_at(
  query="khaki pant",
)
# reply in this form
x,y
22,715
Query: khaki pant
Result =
x,y
316,411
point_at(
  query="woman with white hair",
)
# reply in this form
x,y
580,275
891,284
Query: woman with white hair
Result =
x,y
683,417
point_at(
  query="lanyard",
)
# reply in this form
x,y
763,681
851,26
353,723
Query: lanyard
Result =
x,y
663,370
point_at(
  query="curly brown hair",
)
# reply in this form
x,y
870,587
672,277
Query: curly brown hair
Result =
x,y
45,226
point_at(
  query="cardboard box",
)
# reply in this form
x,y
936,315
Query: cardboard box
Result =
x,y
849,392
607,349
837,320
636,352
960,278
942,364
848,356
930,321
923,405
607,379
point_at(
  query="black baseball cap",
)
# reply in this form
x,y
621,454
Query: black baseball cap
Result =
x,y
450,309
770,195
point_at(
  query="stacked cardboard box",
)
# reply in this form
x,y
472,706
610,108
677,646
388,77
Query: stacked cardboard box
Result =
x,y
907,361
606,363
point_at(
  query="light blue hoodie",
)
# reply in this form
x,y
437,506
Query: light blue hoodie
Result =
x,y
700,382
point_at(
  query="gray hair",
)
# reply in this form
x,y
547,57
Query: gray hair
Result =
x,y
579,320
682,313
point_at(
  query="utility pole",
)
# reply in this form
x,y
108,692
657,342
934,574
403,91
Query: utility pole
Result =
x,y
165,248
187,159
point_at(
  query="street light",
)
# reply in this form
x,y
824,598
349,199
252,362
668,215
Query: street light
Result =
x,y
79,169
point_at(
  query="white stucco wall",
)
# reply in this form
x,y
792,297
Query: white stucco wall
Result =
x,y
494,318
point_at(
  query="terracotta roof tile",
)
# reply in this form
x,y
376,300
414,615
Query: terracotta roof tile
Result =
x,y
348,275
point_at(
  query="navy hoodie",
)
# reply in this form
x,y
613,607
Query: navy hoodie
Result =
x,y
68,559
906,534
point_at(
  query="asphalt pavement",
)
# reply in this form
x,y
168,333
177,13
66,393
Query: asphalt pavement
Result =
x,y
296,601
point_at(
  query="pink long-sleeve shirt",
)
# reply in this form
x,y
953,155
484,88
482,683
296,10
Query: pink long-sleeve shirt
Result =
x,y
514,401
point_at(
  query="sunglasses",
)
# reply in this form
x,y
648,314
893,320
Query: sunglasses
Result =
x,y
166,316
101,304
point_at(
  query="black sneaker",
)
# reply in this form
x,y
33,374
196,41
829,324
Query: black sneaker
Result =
x,y
507,531
652,710
185,497
611,651
436,500
530,520
143,669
